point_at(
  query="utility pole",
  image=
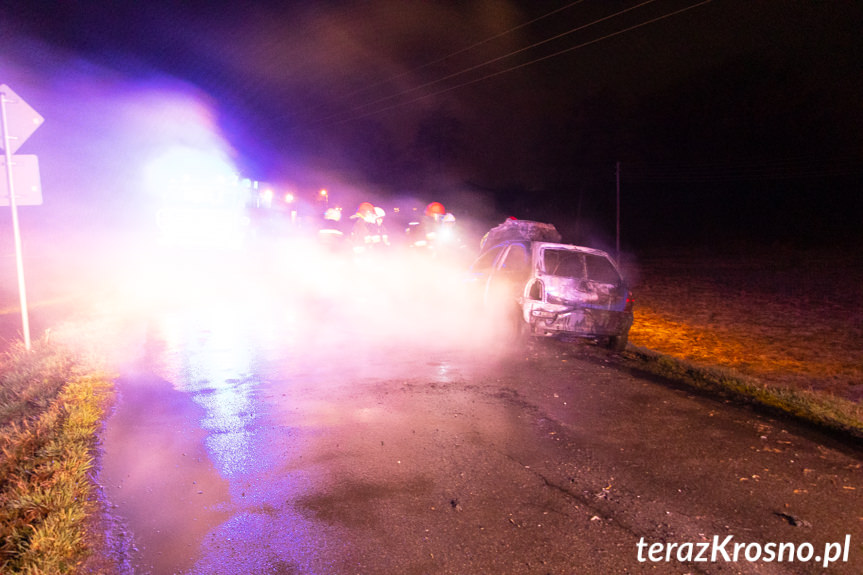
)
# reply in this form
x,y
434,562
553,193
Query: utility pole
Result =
x,y
618,211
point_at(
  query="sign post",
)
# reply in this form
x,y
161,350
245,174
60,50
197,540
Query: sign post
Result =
x,y
19,122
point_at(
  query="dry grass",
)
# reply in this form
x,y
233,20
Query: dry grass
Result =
x,y
788,319
784,329
50,410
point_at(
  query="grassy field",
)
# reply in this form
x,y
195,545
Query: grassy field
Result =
x,y
789,322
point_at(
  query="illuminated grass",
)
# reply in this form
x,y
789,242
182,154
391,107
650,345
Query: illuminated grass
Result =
x,y
781,329
788,318
753,351
49,413
824,410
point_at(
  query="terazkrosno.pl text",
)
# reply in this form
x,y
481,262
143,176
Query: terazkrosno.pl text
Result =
x,y
730,551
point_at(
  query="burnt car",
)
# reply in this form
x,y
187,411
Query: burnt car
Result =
x,y
545,288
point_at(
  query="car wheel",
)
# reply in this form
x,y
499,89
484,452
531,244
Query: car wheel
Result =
x,y
618,342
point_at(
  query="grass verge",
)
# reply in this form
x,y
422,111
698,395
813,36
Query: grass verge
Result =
x,y
833,414
51,406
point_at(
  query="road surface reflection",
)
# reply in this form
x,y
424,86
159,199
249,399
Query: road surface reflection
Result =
x,y
277,384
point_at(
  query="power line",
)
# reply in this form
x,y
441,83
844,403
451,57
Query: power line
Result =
x,y
499,58
477,66
512,68
463,50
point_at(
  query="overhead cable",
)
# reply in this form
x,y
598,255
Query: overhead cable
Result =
x,y
512,68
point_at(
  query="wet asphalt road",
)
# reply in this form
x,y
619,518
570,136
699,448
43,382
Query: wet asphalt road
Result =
x,y
252,438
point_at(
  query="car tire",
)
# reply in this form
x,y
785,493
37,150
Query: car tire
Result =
x,y
618,342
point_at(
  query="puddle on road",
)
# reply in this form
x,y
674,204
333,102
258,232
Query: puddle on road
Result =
x,y
227,415
193,413
213,356
157,476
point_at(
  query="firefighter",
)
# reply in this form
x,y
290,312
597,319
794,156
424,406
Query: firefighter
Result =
x,y
427,230
368,230
380,236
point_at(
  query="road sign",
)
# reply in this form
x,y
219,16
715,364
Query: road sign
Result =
x,y
28,186
21,120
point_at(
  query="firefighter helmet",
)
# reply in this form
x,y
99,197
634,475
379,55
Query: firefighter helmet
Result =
x,y
365,209
435,209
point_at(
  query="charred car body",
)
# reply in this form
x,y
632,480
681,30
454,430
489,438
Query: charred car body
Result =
x,y
547,288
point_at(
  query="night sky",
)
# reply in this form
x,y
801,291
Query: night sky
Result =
x,y
732,122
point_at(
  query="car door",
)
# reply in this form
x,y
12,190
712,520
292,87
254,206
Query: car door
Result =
x,y
480,272
481,269
509,275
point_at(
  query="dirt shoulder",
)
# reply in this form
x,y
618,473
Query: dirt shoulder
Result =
x,y
787,318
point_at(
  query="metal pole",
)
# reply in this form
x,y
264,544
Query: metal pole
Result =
x,y
618,212
22,292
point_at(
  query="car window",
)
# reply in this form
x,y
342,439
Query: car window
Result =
x,y
600,269
516,260
484,263
563,263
